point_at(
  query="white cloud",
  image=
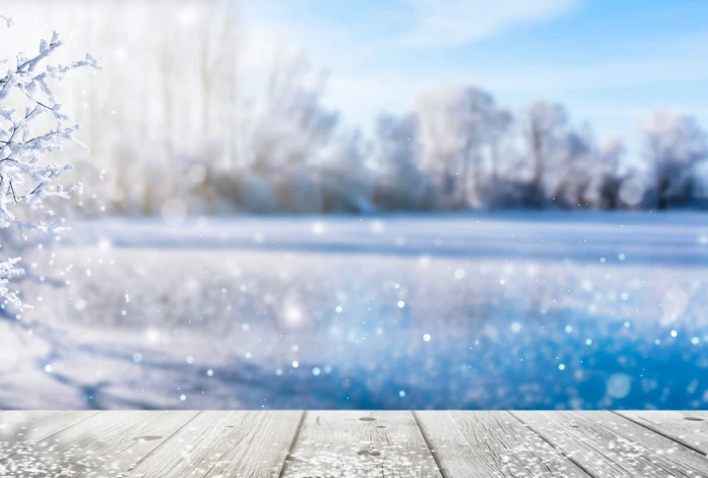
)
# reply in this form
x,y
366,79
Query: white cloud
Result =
x,y
456,22
598,76
361,97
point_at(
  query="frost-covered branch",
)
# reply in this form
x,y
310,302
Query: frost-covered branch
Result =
x,y
27,105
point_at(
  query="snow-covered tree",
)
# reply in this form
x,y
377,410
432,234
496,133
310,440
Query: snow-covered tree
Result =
x,y
457,123
544,129
294,123
500,125
674,144
610,179
576,168
32,125
345,174
401,183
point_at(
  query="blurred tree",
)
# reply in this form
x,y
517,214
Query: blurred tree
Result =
x,y
456,125
674,144
610,178
544,132
191,93
400,182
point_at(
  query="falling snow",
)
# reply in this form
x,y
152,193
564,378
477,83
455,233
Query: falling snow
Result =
x,y
358,321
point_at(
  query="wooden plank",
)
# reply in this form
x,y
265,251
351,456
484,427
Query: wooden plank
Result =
x,y
224,444
360,444
687,428
134,444
491,444
23,427
608,445
104,444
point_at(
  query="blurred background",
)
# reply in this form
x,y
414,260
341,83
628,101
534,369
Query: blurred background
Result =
x,y
398,204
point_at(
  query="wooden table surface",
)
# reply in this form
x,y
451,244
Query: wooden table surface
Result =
x,y
312,444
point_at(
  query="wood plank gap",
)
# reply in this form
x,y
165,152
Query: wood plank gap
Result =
x,y
562,453
162,443
293,444
88,415
427,443
659,432
615,447
85,415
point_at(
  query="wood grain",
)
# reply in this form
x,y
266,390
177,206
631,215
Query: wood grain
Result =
x,y
224,444
24,427
607,445
491,444
105,443
688,428
360,444
317,444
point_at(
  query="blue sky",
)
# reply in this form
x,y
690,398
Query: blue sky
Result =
x,y
611,62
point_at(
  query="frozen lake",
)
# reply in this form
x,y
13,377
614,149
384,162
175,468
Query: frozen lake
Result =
x,y
544,310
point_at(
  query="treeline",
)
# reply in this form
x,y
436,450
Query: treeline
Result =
x,y
195,113
457,151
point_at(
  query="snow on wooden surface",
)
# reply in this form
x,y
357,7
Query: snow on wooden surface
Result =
x,y
297,444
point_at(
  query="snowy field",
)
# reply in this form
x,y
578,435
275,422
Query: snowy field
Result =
x,y
501,311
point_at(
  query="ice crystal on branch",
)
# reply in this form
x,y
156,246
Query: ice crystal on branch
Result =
x,y
26,180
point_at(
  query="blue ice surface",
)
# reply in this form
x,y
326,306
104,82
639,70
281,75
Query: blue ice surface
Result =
x,y
534,357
